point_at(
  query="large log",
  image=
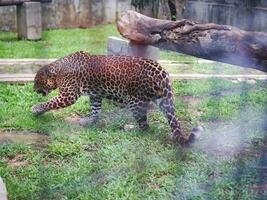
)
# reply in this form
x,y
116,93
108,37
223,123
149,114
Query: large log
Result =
x,y
210,41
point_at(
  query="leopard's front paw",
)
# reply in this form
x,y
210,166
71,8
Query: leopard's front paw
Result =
x,y
38,110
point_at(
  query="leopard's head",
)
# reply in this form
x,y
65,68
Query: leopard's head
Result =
x,y
44,82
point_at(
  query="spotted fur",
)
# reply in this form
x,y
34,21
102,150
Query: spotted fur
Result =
x,y
131,81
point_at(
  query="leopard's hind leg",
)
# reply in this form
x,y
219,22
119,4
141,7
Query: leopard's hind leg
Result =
x,y
95,103
139,109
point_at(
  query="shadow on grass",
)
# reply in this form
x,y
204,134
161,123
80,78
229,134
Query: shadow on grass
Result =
x,y
8,37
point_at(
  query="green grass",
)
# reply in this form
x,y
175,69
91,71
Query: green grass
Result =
x,y
105,162
59,43
185,67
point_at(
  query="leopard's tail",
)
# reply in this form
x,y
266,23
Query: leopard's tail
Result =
x,y
166,104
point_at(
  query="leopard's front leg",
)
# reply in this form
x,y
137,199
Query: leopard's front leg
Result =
x,y
95,111
64,99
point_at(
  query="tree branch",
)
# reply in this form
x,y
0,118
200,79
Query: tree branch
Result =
x,y
210,41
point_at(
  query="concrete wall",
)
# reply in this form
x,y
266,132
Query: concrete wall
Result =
x,y
163,11
8,18
245,14
70,13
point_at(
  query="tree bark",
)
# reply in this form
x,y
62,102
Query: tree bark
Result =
x,y
210,41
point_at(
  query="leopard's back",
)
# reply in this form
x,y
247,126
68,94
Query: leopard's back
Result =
x,y
121,76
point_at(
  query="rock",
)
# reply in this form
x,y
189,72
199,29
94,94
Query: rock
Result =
x,y
241,79
251,81
3,191
128,127
117,46
235,81
88,121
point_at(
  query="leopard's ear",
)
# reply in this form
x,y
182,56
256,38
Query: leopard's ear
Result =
x,y
42,74
46,71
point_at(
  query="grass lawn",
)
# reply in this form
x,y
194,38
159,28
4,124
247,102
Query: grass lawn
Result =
x,y
59,43
106,162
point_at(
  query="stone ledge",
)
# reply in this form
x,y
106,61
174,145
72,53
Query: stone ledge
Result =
x,y
27,61
118,46
16,78
24,78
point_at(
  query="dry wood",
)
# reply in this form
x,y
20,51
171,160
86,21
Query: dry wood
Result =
x,y
210,41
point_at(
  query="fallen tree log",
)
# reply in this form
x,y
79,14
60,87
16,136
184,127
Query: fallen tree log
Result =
x,y
210,41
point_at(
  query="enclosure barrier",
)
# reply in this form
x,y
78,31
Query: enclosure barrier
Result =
x,y
29,17
118,46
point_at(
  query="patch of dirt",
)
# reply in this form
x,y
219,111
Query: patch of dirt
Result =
x,y
23,137
17,161
93,147
154,185
191,100
106,118
73,120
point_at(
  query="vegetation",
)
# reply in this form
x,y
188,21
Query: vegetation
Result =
x,y
58,43
106,162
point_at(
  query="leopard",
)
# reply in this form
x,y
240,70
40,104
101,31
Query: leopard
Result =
x,y
134,82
